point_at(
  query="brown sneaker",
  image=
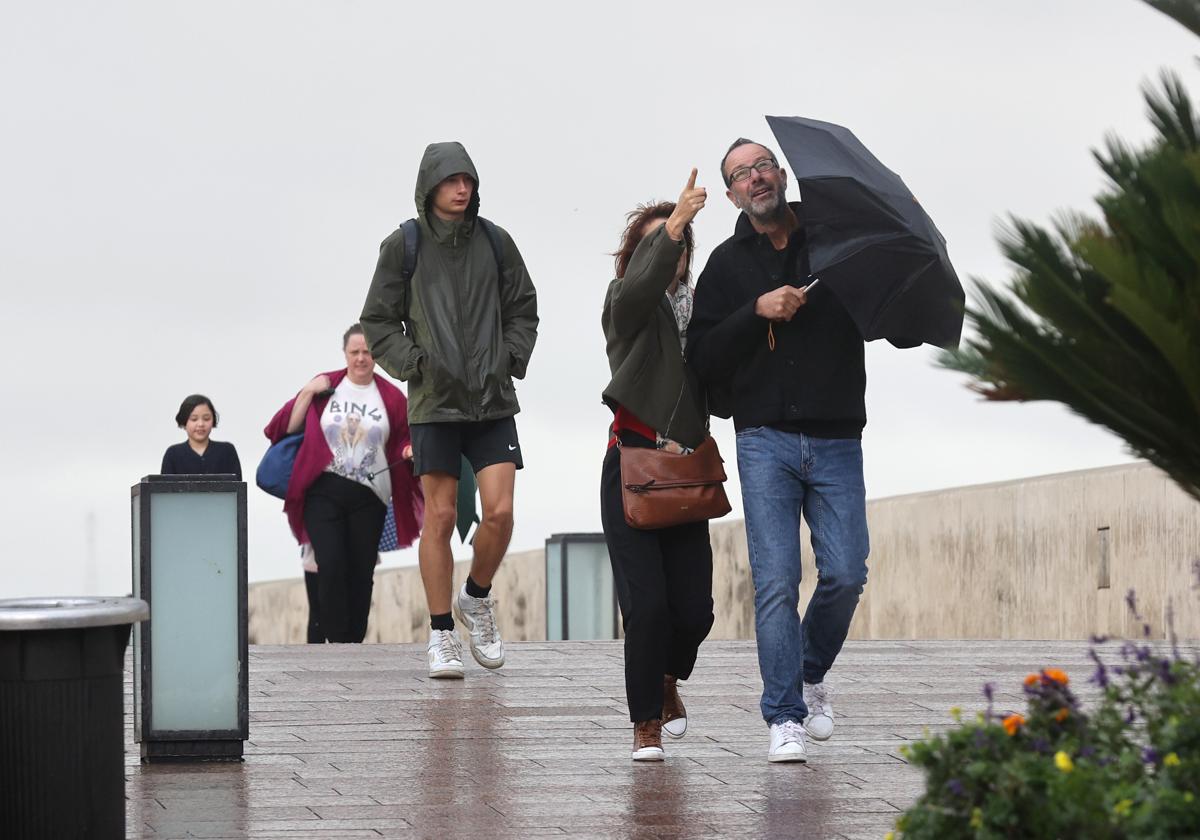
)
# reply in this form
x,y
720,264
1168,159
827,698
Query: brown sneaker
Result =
x,y
647,741
674,719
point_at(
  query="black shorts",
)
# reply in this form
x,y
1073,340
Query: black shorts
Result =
x,y
440,447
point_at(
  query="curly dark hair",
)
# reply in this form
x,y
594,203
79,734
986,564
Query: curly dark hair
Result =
x,y
189,405
636,221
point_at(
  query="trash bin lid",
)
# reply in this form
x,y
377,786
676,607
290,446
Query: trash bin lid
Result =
x,y
70,612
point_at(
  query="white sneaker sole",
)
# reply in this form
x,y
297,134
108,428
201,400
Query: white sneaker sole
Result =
x,y
679,727
787,758
648,754
462,618
446,673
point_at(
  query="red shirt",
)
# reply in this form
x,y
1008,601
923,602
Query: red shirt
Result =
x,y
626,421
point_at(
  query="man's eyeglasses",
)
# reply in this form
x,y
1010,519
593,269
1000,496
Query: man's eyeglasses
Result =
x,y
762,167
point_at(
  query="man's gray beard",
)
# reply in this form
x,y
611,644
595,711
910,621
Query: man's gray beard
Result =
x,y
769,209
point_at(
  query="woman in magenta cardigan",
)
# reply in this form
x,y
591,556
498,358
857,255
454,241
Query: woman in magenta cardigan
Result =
x,y
355,455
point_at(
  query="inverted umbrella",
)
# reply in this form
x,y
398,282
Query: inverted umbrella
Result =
x,y
869,239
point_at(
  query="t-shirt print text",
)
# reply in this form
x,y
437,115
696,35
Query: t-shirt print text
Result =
x,y
351,408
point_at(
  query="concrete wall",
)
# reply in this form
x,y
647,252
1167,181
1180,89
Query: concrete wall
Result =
x,y
1018,560
278,610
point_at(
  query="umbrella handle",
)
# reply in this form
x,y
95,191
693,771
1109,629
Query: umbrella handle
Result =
x,y
815,281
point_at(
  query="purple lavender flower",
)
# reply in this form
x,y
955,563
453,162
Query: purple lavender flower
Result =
x,y
955,787
1041,746
1130,715
1150,755
1100,675
989,691
1131,603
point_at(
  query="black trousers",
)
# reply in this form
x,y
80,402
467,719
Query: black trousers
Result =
x,y
344,520
664,587
314,634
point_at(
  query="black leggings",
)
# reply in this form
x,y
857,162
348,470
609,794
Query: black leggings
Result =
x,y
664,586
344,520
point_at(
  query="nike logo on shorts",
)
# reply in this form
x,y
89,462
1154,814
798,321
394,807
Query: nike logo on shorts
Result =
x,y
511,448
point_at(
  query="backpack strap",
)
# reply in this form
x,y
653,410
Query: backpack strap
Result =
x,y
493,238
412,247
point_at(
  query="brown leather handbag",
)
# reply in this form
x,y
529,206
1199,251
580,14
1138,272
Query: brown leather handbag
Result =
x,y
660,489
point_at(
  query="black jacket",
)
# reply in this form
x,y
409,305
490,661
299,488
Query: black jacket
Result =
x,y
814,381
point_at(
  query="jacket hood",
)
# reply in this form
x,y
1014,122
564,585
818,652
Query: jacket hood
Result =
x,y
441,160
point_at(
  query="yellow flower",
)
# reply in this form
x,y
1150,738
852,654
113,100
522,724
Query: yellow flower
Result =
x,y
956,713
891,835
1063,762
1012,723
977,819
1122,807
1171,760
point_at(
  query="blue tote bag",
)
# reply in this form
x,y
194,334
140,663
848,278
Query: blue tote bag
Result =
x,y
275,469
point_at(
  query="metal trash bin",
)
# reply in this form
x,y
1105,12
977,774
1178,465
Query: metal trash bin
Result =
x,y
62,715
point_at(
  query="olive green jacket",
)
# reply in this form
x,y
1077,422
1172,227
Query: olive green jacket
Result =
x,y
458,332
645,354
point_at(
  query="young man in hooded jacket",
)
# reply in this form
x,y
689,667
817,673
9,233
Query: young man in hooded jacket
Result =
x,y
458,330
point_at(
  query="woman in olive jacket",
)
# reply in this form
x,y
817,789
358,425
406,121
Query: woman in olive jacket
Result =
x,y
663,576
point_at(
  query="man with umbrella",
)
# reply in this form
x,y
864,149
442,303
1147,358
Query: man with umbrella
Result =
x,y
788,356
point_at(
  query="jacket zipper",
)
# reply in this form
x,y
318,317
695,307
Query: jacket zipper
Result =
x,y
476,393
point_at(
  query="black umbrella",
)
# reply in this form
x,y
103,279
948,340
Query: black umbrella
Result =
x,y
869,239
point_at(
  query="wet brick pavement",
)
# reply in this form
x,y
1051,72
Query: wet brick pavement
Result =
x,y
356,741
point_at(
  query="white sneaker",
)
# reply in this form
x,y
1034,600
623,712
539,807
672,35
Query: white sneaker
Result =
x,y
479,617
787,742
445,655
819,699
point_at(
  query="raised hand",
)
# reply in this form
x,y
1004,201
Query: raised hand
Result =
x,y
691,201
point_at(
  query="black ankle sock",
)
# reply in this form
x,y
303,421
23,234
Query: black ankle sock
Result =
x,y
475,590
445,621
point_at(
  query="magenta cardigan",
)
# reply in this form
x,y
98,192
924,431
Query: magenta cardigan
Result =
x,y
314,456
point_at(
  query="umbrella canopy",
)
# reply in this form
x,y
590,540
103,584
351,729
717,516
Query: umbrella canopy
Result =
x,y
869,239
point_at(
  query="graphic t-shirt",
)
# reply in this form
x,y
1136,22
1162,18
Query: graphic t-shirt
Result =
x,y
356,428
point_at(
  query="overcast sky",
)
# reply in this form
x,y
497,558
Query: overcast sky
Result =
x,y
192,196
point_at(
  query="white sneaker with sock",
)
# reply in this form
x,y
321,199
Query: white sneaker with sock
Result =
x,y
444,653
819,699
787,742
478,615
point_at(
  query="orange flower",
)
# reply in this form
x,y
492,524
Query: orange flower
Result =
x,y
1012,723
1056,674
1031,679
1061,715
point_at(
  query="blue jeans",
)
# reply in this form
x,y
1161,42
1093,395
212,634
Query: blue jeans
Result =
x,y
783,475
